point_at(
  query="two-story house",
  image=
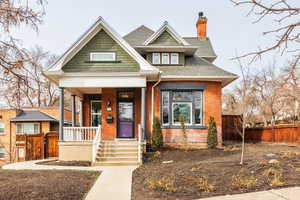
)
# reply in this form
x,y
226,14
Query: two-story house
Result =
x,y
124,82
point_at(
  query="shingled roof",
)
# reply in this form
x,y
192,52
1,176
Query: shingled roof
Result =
x,y
33,115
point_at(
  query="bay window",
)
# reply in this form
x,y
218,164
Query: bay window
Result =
x,y
182,105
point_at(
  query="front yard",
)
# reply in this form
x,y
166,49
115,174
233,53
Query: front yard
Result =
x,y
179,174
45,184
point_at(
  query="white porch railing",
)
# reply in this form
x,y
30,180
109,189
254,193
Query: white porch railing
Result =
x,y
139,143
96,143
80,134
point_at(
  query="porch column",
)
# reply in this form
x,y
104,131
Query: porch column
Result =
x,y
143,113
61,116
73,110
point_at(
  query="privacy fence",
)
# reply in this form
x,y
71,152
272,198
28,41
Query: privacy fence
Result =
x,y
276,134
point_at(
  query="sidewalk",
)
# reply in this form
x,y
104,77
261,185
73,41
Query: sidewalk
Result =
x,y
113,183
292,193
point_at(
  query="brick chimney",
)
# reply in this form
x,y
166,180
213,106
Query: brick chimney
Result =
x,y
201,26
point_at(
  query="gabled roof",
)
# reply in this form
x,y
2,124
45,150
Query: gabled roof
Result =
x,y
170,30
33,115
138,36
205,48
100,24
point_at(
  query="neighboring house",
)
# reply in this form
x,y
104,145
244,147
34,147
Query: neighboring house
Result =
x,y
23,133
124,82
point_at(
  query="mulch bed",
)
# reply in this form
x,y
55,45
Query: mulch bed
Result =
x,y
203,173
66,163
45,184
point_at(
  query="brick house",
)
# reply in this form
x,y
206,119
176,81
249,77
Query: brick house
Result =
x,y
16,124
124,82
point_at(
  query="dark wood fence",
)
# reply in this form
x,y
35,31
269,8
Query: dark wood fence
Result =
x,y
276,134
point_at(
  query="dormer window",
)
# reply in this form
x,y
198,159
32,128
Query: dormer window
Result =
x,y
174,58
103,56
165,58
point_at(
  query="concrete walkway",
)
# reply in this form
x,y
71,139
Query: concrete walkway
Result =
x,y
113,183
292,193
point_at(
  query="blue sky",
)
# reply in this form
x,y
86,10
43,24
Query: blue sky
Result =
x,y
228,27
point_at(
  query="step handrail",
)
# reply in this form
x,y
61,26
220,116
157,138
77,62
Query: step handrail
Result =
x,y
96,143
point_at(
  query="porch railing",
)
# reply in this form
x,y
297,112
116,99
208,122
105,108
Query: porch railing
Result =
x,y
80,134
96,143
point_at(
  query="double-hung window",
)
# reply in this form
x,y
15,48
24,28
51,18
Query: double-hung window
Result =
x,y
156,58
28,128
165,58
103,56
2,127
182,105
96,113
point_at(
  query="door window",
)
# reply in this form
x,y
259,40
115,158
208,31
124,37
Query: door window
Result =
x,y
96,113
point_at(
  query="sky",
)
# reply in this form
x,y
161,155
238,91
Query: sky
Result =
x,y
229,29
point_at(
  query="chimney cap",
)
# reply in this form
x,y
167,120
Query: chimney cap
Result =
x,y
200,14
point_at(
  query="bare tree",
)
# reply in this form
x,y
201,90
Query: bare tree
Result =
x,y
14,14
32,89
286,20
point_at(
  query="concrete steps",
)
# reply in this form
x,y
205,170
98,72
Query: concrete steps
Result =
x,y
117,153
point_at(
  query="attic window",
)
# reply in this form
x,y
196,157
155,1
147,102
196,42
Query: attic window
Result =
x,y
103,56
165,58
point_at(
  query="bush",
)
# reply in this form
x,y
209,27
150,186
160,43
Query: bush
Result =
x,y
212,140
157,138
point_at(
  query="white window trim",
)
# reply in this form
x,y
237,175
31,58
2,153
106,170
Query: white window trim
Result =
x,y
2,133
177,61
22,133
162,99
159,56
162,58
100,114
95,53
191,113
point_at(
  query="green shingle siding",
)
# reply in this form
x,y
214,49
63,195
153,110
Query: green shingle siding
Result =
x,y
165,39
101,42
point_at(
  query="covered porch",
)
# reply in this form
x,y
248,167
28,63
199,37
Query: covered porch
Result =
x,y
112,111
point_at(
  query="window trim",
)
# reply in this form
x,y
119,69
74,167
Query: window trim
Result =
x,y
22,133
162,58
171,124
2,133
168,92
100,114
191,112
159,58
103,60
177,54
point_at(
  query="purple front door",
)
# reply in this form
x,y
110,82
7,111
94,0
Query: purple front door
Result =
x,y
125,120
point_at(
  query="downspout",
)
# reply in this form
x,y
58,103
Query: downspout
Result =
x,y
152,98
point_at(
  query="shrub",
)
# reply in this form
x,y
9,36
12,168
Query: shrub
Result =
x,y
164,184
239,182
277,174
157,137
202,184
212,134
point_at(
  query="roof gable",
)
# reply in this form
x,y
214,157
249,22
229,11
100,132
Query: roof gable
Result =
x,y
138,36
99,25
162,32
165,39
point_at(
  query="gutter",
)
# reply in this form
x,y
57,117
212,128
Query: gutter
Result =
x,y
152,98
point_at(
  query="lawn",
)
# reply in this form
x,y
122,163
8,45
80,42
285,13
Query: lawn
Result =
x,y
202,173
45,184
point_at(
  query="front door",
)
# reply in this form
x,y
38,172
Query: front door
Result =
x,y
125,118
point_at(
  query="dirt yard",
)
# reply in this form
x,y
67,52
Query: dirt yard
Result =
x,y
45,185
202,173
66,163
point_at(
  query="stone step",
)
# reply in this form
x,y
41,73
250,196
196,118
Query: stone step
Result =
x,y
118,146
117,159
119,163
118,150
116,154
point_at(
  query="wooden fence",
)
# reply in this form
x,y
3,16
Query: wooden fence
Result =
x,y
275,134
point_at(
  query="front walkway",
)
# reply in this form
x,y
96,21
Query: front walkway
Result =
x,y
292,193
113,183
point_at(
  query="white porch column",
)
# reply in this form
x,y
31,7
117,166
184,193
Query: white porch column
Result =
x,y
143,113
73,110
61,116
